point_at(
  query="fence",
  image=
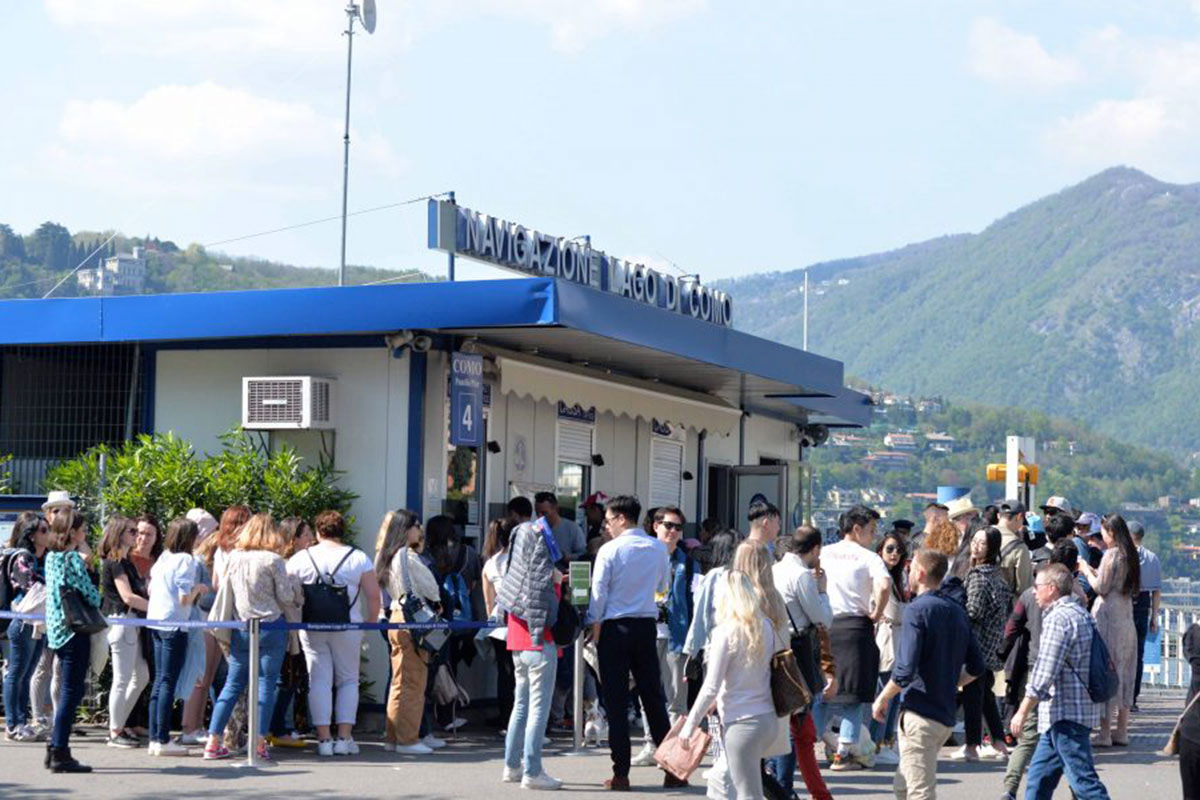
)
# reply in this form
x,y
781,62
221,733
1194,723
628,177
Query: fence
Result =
x,y
254,628
1166,665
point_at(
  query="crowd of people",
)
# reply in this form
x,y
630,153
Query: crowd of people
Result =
x,y
898,636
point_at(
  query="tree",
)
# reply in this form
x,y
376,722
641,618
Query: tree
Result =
x,y
50,246
12,247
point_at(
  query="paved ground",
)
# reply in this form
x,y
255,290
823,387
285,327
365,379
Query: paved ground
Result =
x,y
470,767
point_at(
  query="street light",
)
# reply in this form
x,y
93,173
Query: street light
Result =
x,y
365,13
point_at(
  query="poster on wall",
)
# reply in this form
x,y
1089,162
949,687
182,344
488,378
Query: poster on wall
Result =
x,y
466,400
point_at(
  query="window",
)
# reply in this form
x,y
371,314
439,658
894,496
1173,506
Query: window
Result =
x,y
573,477
666,472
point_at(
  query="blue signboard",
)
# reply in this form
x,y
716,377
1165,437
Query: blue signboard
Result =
x,y
1153,649
466,400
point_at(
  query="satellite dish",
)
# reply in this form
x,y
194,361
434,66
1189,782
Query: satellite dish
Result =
x,y
367,14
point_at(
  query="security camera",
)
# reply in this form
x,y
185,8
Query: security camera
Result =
x,y
421,344
398,340
814,435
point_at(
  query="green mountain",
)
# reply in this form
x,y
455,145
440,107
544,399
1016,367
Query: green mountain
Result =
x,y
1082,305
30,265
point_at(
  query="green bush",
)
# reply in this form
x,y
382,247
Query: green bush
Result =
x,y
162,474
5,475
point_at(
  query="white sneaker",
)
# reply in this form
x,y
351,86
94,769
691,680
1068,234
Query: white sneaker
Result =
x,y
196,737
154,749
433,742
543,782
645,758
416,749
887,757
325,748
345,747
512,775
990,753
389,747
171,749
962,754
455,724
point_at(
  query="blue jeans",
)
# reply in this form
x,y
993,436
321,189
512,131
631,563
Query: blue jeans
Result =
x,y
1064,748
74,658
783,768
170,652
271,648
534,672
24,652
886,730
852,714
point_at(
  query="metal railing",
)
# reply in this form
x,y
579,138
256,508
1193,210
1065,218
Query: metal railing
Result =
x,y
1171,668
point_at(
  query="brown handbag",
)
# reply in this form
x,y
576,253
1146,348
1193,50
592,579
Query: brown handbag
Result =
x,y
681,758
789,691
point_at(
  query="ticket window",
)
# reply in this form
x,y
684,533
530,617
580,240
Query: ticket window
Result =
x,y
573,475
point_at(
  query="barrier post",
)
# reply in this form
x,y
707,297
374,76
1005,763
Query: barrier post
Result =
x,y
577,691
252,698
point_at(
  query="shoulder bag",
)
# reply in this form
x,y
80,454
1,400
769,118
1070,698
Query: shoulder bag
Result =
x,y
789,692
324,601
80,615
417,611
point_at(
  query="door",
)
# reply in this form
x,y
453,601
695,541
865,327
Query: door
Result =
x,y
748,482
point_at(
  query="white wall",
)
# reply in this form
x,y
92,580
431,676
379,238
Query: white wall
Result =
x,y
198,396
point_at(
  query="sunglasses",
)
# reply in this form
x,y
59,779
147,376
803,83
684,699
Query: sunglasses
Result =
x,y
891,548
672,526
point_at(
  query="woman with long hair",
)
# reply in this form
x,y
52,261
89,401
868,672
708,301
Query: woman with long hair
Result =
x,y
893,549
722,547
332,657
65,569
1116,583
943,537
228,531
175,587
125,595
495,550
755,560
293,675
400,567
26,575
737,682
262,590
205,551
989,601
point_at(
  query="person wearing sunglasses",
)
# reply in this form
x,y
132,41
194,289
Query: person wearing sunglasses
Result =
x,y
678,604
894,552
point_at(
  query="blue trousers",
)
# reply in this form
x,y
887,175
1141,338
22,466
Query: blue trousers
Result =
x,y
1064,748
271,649
74,657
24,652
534,672
170,652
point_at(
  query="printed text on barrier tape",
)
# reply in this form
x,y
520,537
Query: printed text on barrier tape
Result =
x,y
137,622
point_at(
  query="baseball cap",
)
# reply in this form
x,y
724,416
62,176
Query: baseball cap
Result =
x,y
1058,503
596,499
1011,507
1091,520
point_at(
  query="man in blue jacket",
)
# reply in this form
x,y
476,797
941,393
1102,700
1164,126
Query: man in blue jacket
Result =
x,y
936,653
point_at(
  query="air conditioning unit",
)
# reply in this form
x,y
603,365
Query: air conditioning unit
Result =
x,y
296,402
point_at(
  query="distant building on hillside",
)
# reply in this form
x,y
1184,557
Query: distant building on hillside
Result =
x,y
841,498
847,440
887,460
900,441
927,405
940,442
124,271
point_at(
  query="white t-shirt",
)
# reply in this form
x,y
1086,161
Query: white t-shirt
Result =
x,y
493,570
327,556
851,571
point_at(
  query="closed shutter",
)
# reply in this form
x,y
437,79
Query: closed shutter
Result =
x,y
666,473
574,442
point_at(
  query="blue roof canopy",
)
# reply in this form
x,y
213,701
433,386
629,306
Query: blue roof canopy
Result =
x,y
556,319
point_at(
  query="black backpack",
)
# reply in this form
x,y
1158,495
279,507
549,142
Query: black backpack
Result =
x,y
325,602
7,591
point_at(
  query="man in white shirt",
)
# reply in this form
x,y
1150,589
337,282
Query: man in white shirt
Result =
x,y
630,569
858,583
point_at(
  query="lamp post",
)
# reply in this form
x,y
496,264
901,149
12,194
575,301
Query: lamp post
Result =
x,y
367,14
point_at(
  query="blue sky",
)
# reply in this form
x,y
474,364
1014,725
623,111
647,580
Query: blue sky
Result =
x,y
725,137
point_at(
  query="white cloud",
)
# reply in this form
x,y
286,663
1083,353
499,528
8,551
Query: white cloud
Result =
x,y
173,137
1002,55
164,27
1115,131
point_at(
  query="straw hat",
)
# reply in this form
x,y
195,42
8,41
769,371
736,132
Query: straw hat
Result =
x,y
58,499
961,505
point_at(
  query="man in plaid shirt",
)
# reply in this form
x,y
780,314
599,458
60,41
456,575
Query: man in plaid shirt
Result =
x,y
1066,714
